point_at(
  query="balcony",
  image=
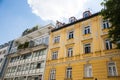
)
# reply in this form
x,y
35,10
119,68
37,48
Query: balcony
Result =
x,y
36,71
27,60
39,58
21,61
34,48
13,50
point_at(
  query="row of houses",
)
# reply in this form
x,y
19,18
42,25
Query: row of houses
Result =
x,y
78,50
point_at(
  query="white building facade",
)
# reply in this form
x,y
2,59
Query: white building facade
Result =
x,y
28,56
4,48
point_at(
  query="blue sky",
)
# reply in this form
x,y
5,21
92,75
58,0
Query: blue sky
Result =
x,y
17,15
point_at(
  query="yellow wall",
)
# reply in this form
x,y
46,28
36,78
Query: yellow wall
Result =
x,y
98,57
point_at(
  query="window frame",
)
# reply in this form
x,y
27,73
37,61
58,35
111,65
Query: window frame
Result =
x,y
108,44
87,72
54,55
70,34
87,48
70,52
87,30
105,24
53,74
56,39
108,66
69,72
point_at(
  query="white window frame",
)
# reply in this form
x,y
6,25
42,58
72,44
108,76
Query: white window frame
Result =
x,y
108,44
88,70
70,34
57,39
54,55
87,30
88,46
69,72
113,67
69,52
105,24
52,74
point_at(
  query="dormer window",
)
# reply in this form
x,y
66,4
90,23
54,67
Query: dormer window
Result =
x,y
72,19
58,24
86,14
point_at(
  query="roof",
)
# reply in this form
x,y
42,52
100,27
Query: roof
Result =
x,y
79,20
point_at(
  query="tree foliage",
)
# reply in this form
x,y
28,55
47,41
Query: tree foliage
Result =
x,y
111,12
27,31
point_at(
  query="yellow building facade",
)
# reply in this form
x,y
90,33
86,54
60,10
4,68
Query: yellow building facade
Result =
x,y
80,50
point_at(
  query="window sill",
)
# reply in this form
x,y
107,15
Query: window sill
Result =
x,y
56,42
68,79
70,38
53,59
69,57
113,76
88,53
105,29
86,34
88,77
85,55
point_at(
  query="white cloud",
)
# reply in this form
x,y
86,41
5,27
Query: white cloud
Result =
x,y
62,9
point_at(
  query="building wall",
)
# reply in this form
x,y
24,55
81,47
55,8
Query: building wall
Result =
x,y
28,63
4,49
98,57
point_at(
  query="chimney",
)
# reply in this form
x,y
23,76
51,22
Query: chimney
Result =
x,y
86,14
72,19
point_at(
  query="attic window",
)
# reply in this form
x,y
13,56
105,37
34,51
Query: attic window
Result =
x,y
86,14
59,24
72,19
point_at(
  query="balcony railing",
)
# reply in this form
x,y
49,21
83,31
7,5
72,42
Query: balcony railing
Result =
x,y
32,59
37,47
13,50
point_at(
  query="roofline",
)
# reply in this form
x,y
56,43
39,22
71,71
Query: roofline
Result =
x,y
39,29
80,20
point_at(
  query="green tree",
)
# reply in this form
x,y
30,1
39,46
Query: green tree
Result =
x,y
111,12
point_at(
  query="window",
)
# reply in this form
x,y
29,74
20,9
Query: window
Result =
x,y
69,72
19,68
56,39
52,74
27,66
54,55
33,66
88,70
70,35
4,51
106,24
38,65
108,44
70,52
87,48
1,59
46,40
87,30
42,52
86,14
112,69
